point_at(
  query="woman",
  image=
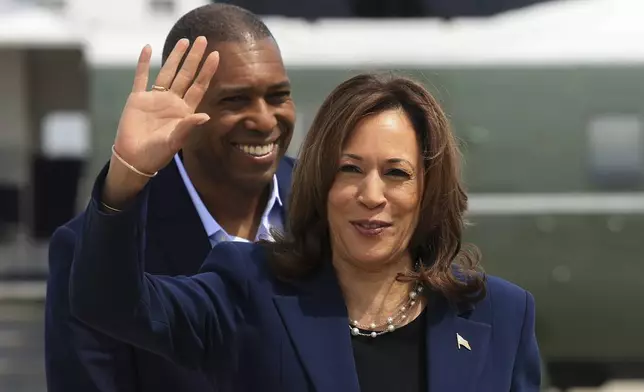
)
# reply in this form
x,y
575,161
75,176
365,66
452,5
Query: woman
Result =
x,y
368,291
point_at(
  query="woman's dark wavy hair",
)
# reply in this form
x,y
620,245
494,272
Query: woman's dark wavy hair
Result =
x,y
446,267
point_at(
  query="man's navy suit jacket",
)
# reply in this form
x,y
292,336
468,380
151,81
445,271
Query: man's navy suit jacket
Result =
x,y
77,357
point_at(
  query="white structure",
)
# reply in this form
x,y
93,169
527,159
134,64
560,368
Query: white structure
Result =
x,y
558,32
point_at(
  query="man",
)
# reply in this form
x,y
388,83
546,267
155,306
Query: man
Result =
x,y
213,191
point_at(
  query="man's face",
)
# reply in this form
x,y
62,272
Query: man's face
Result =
x,y
251,115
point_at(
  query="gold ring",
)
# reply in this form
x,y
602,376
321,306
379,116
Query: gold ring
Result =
x,y
158,88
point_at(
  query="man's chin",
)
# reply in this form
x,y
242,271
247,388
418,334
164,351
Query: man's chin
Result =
x,y
254,182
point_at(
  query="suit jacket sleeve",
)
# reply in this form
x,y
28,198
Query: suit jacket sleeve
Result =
x,y
526,376
78,358
187,320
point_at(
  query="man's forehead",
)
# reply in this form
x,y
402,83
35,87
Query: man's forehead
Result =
x,y
249,64
234,52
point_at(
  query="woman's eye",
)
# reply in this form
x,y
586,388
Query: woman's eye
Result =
x,y
398,173
350,169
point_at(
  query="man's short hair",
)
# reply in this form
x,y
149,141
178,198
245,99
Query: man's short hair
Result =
x,y
218,23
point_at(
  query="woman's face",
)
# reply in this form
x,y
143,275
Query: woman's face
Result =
x,y
373,204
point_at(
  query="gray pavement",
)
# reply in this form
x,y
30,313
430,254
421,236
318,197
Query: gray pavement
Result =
x,y
616,386
21,346
21,316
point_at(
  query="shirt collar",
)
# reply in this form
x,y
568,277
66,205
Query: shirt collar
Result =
x,y
209,223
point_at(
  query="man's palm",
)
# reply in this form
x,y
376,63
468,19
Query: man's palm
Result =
x,y
154,124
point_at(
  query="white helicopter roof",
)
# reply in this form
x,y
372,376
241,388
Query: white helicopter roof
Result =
x,y
25,27
555,33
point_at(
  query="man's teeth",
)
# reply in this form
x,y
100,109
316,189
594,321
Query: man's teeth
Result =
x,y
257,150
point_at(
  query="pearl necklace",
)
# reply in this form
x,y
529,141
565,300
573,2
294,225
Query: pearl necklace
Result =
x,y
392,322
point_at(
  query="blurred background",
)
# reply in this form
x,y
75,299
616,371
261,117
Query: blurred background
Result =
x,y
547,98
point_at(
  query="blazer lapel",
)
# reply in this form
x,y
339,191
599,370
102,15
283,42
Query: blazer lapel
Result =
x,y
454,367
284,179
177,243
317,322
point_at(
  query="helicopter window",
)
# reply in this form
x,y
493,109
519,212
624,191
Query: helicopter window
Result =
x,y
616,150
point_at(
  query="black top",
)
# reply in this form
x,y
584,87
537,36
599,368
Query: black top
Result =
x,y
394,361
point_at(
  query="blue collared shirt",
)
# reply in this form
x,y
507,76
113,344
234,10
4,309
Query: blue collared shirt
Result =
x,y
271,218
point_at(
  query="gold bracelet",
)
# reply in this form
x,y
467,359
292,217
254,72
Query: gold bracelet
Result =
x,y
134,169
111,208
